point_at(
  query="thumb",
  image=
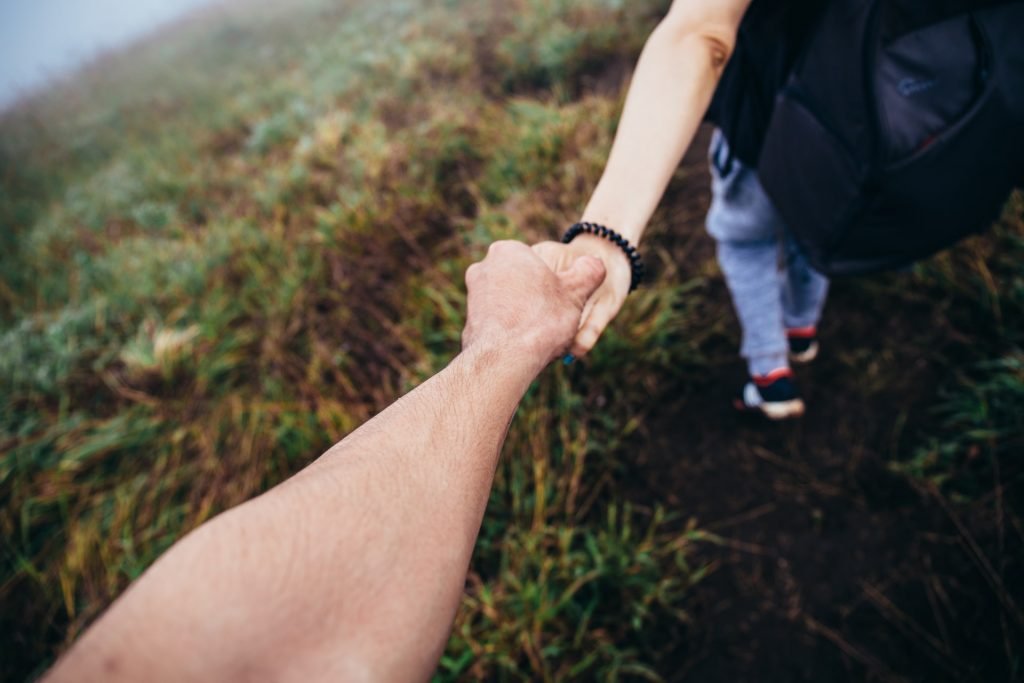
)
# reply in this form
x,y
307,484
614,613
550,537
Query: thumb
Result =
x,y
581,278
593,326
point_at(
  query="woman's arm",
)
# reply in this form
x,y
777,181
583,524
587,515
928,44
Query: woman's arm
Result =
x,y
671,89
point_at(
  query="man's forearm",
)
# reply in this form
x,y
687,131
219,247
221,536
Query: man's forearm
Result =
x,y
671,89
351,570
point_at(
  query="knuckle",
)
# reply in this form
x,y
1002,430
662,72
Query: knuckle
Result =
x,y
500,246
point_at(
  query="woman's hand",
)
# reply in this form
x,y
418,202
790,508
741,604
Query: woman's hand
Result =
x,y
606,301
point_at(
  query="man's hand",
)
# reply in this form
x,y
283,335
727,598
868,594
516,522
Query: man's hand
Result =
x,y
607,299
518,302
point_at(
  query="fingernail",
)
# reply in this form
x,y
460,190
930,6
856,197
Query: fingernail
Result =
x,y
568,359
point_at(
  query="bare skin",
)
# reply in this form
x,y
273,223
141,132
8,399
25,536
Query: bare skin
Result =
x,y
352,570
672,86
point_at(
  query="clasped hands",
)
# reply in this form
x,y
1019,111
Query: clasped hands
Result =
x,y
540,302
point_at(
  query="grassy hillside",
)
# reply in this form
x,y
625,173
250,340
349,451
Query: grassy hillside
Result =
x,y
226,248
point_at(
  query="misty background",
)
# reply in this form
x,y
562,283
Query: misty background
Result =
x,y
42,40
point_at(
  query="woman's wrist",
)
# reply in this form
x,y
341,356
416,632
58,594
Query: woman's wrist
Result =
x,y
637,269
630,227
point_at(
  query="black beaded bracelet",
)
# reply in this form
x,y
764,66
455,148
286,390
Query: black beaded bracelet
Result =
x,y
636,263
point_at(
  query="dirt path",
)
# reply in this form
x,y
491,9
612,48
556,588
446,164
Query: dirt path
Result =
x,y
827,565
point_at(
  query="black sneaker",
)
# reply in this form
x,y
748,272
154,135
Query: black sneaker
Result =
x,y
773,395
803,344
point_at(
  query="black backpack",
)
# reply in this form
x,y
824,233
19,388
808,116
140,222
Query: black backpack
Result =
x,y
896,127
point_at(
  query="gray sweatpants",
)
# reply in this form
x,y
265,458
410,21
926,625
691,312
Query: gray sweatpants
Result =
x,y
773,288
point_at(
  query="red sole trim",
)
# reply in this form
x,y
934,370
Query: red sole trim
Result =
x,y
802,332
769,379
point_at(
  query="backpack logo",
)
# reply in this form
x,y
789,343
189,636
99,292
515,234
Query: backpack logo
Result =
x,y
912,86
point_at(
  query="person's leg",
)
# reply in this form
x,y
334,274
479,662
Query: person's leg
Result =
x,y
747,229
804,291
751,272
749,233
803,297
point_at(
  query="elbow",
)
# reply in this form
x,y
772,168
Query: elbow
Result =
x,y
714,40
719,48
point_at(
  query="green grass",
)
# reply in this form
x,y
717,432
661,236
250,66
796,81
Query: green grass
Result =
x,y
980,406
224,250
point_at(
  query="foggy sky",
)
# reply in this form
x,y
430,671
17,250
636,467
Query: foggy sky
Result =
x,y
42,39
